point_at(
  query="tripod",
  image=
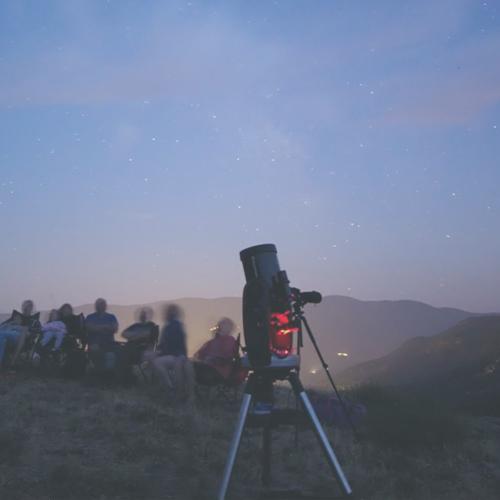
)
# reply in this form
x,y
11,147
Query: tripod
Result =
x,y
299,313
266,376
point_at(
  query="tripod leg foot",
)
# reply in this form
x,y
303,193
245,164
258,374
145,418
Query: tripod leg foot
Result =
x,y
320,433
235,444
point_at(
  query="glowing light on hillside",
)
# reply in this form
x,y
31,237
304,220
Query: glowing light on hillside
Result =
x,y
342,354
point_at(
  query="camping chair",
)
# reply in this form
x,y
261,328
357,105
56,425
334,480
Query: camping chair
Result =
x,y
136,360
223,388
71,359
140,364
73,356
34,330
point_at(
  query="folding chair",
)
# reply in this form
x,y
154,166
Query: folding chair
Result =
x,y
32,323
136,359
217,386
70,360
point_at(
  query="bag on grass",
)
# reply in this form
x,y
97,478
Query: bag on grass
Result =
x,y
331,412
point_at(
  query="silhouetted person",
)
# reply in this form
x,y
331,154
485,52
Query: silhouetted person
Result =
x,y
29,318
101,327
141,336
11,333
53,330
170,360
214,361
75,323
144,331
17,329
75,362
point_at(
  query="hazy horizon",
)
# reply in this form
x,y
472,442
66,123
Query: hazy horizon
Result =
x,y
47,307
144,144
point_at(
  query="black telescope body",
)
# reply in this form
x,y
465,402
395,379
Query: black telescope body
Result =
x,y
261,267
268,319
269,306
260,262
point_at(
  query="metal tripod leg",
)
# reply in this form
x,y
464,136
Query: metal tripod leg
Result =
x,y
320,433
235,443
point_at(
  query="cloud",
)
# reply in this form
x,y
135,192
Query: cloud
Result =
x,y
212,59
450,103
458,85
186,61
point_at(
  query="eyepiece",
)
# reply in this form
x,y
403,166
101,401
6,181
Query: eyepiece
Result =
x,y
304,298
311,297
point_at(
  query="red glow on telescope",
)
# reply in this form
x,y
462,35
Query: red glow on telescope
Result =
x,y
282,328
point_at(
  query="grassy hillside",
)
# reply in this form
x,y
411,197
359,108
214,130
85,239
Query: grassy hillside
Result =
x,y
463,362
67,440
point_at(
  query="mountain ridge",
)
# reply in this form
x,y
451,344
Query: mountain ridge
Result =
x,y
463,359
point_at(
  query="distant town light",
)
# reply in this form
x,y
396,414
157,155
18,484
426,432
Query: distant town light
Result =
x,y
313,371
342,354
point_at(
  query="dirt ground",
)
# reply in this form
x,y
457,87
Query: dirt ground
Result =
x,y
73,440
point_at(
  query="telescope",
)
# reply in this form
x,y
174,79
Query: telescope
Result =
x,y
270,306
272,318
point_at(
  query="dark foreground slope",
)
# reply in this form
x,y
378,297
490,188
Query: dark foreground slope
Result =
x,y
462,362
67,441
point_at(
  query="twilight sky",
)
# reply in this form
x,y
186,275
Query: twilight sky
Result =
x,y
144,143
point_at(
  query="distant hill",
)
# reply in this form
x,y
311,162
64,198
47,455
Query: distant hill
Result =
x,y
362,329
370,329
463,361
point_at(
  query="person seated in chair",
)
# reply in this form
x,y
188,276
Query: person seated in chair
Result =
x,y
214,362
75,324
17,329
12,333
101,327
75,362
55,330
141,336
